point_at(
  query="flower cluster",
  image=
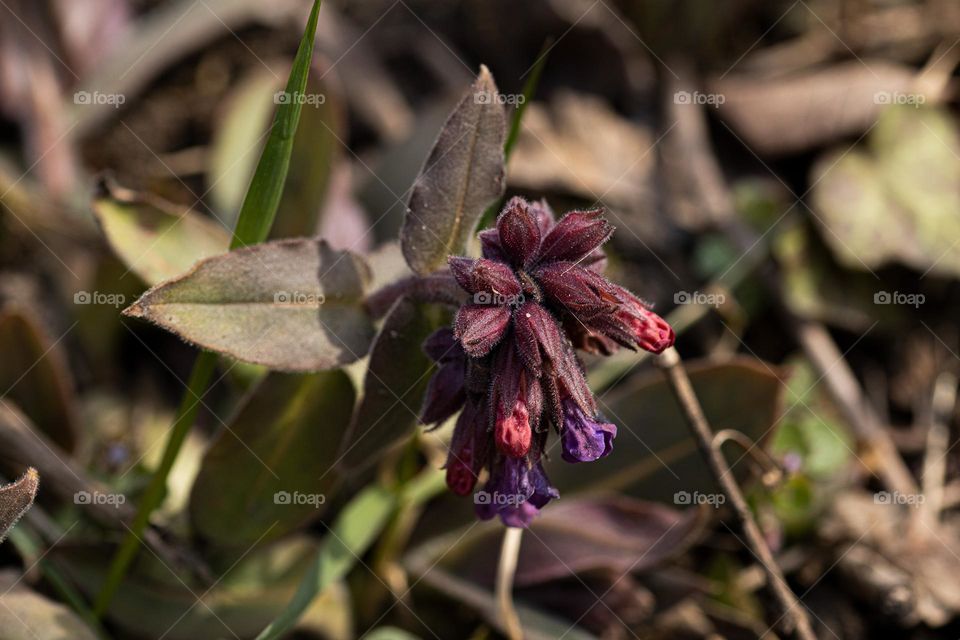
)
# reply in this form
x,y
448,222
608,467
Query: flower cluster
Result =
x,y
509,363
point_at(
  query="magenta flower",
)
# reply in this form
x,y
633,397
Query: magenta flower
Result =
x,y
537,293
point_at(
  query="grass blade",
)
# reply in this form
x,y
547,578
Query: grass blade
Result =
x,y
357,526
263,195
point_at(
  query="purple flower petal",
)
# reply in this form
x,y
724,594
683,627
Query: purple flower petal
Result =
x,y
585,439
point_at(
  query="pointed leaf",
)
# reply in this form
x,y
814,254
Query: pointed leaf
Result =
x,y
462,175
16,498
293,305
395,383
269,471
263,195
157,240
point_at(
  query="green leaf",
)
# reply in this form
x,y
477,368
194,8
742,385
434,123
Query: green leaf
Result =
x,y
16,498
156,239
266,187
269,471
27,615
395,382
292,305
355,529
462,175
34,375
240,134
899,200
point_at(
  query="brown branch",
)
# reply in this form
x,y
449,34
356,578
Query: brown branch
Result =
x,y
794,615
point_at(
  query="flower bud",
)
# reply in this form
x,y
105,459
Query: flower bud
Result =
x,y
519,233
578,234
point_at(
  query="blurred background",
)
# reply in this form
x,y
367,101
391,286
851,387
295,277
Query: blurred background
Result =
x,y
785,182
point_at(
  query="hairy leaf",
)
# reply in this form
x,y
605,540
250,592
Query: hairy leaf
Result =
x,y
16,498
293,305
269,471
462,175
155,239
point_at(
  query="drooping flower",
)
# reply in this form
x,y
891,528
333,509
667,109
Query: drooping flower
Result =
x,y
536,294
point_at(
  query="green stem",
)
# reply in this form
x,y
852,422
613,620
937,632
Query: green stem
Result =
x,y
186,414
